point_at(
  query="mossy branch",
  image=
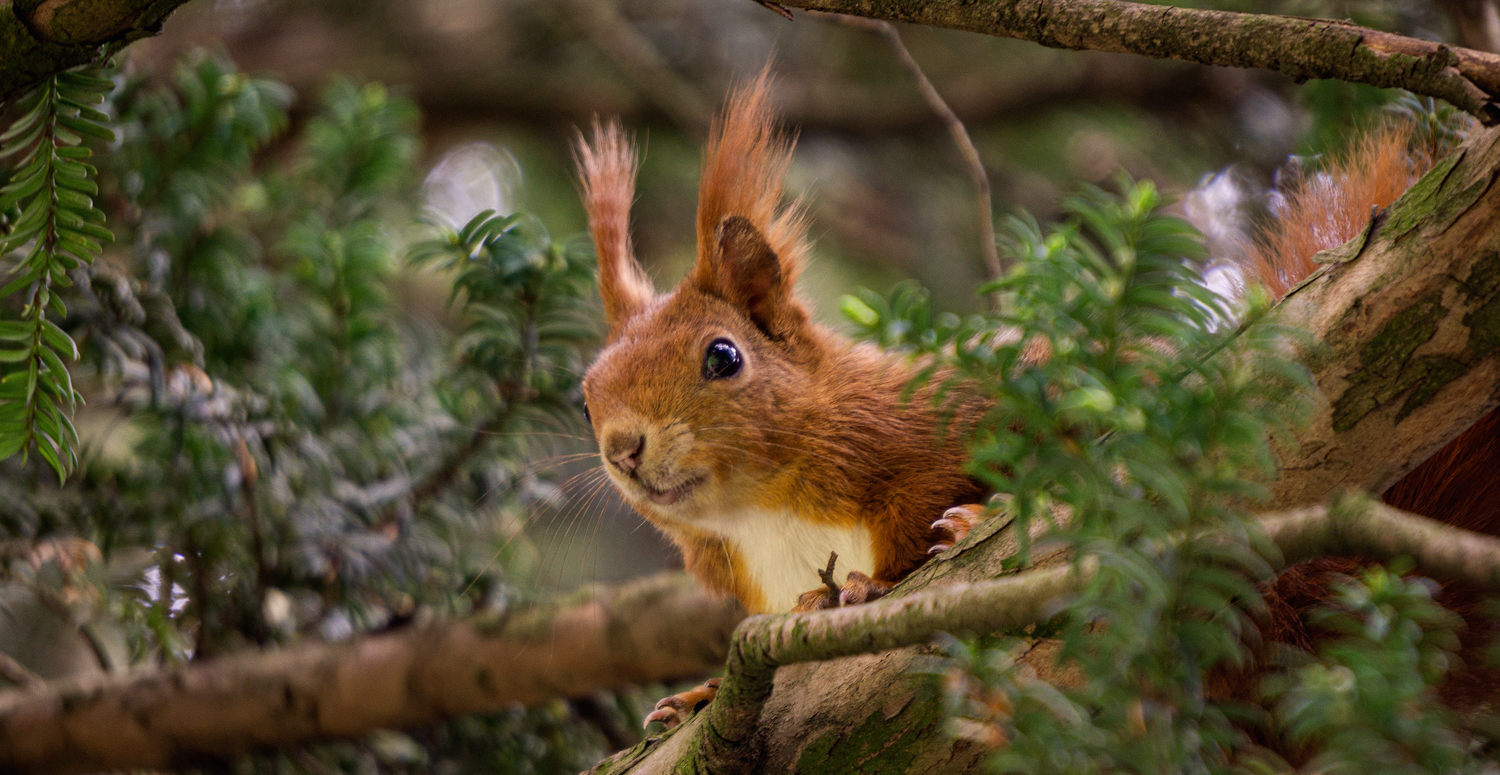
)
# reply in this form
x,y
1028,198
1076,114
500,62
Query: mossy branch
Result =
x,y
1299,47
658,629
1353,525
39,38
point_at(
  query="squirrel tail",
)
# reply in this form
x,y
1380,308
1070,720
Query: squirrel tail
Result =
x,y
1327,208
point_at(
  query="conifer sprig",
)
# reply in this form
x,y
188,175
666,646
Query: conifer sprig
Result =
x,y
50,216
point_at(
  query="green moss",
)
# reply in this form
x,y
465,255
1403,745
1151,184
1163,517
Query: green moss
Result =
x,y
626,760
879,744
532,626
1349,250
1413,207
1387,369
1484,320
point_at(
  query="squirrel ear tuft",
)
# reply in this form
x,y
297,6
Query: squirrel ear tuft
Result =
x,y
747,273
607,166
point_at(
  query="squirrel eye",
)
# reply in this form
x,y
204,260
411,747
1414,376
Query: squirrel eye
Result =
x,y
722,360
586,417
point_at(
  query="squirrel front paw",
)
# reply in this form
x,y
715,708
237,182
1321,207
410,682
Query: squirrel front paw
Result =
x,y
858,588
675,709
955,525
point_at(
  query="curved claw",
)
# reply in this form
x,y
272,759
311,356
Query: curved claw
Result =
x,y
675,709
950,524
956,522
859,589
671,717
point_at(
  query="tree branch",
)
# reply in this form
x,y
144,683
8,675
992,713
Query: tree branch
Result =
x,y
1299,47
658,629
1353,525
42,37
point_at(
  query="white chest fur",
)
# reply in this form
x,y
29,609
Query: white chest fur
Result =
x,y
783,554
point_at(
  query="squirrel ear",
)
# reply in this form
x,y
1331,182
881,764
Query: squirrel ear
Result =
x,y
747,273
607,164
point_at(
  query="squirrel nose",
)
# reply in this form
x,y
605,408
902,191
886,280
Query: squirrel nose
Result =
x,y
624,450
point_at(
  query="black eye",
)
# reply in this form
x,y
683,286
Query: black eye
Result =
x,y
722,360
586,417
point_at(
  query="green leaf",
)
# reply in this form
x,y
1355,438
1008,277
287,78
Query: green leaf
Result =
x,y
16,330
14,356
77,184
75,81
45,447
86,127
59,339
20,282
27,120
71,199
23,140
13,386
11,443
16,192
58,371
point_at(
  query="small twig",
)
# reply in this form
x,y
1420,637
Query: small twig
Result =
x,y
989,253
777,7
16,673
827,574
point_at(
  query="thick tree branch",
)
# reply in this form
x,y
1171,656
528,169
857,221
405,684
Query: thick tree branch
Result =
x,y
659,629
1405,333
1301,48
1354,525
42,37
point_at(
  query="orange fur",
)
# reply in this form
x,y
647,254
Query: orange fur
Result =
x,y
1327,209
744,173
810,442
608,166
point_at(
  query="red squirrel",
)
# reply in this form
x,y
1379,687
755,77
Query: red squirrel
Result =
x,y
757,440
761,442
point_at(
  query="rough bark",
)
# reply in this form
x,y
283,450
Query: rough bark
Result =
x,y
1357,524
1406,354
42,37
1405,325
1299,47
659,629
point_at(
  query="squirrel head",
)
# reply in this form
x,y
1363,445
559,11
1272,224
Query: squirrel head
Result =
x,y
693,384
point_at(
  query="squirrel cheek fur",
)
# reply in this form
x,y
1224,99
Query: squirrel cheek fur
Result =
x,y
806,446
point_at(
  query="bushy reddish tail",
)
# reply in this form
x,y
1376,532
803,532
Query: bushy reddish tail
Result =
x,y
1327,208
